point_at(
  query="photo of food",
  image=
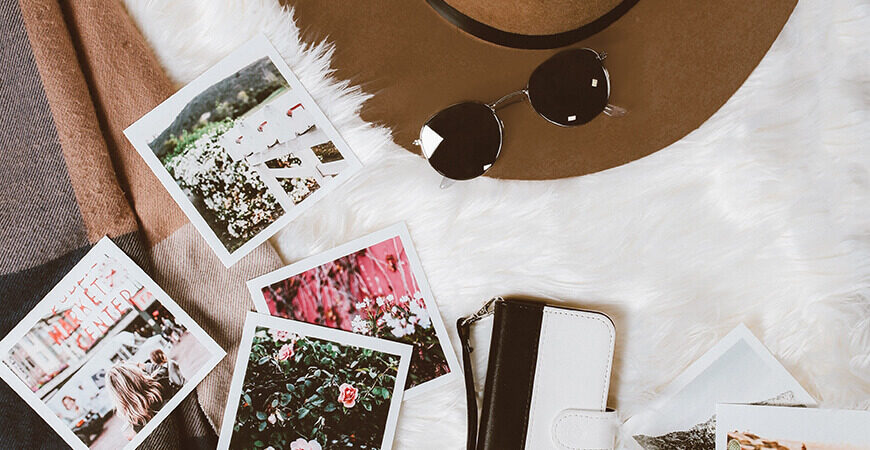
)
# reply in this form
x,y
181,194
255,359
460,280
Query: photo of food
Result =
x,y
755,427
745,440
243,149
107,353
368,287
298,386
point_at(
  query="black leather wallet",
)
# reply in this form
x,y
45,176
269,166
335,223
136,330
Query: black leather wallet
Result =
x,y
547,378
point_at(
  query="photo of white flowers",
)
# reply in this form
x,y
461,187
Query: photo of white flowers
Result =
x,y
301,387
243,149
372,286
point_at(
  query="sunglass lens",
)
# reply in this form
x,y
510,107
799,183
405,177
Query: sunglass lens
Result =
x,y
571,88
462,141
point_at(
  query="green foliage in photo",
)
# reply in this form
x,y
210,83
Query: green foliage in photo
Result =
x,y
315,390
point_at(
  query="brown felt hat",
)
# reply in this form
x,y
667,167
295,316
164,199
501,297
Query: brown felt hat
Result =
x,y
672,64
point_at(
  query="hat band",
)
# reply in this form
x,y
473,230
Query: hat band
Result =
x,y
528,41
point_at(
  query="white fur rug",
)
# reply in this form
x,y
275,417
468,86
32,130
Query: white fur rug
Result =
x,y
762,215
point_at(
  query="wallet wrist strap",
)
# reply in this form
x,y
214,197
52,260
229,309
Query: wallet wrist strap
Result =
x,y
470,392
463,328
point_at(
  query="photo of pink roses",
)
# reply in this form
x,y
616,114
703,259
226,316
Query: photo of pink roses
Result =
x,y
302,387
372,286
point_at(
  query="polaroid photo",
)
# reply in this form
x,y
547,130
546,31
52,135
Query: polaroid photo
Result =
x,y
106,355
301,386
751,427
684,415
243,149
373,286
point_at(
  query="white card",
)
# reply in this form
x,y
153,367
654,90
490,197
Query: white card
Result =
x,y
374,286
243,149
298,385
103,343
685,410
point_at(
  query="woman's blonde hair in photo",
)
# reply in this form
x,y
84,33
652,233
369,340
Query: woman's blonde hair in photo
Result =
x,y
158,357
135,393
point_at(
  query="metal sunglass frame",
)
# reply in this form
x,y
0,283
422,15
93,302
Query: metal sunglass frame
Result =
x,y
610,109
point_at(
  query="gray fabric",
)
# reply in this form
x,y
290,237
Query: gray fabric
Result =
x,y
43,234
39,217
20,292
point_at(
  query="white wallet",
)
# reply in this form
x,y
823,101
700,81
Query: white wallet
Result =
x,y
547,378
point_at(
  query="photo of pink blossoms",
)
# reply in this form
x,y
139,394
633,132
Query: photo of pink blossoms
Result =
x,y
372,292
304,393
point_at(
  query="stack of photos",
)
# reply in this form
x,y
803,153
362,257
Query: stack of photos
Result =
x,y
738,369
303,387
243,149
106,355
754,427
372,286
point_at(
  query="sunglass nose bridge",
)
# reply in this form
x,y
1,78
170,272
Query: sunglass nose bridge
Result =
x,y
505,98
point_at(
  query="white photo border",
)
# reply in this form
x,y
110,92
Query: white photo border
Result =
x,y
636,423
822,426
254,320
138,134
106,247
739,333
399,230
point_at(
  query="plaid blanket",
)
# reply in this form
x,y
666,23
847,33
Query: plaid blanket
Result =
x,y
75,73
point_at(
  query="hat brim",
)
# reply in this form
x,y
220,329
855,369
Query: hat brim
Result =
x,y
672,64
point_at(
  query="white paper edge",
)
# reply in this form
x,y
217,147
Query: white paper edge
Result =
x,y
739,333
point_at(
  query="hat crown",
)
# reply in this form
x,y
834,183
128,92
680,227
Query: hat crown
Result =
x,y
534,17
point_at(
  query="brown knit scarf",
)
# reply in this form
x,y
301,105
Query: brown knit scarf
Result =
x,y
99,76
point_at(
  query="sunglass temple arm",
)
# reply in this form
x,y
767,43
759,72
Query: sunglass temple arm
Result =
x,y
615,111
611,110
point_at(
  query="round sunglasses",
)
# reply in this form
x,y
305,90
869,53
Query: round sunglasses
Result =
x,y
464,140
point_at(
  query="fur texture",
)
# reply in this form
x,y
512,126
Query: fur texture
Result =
x,y
760,216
